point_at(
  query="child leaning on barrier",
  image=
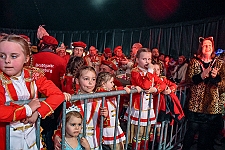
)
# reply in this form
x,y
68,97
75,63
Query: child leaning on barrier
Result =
x,y
23,83
73,129
167,96
143,76
86,77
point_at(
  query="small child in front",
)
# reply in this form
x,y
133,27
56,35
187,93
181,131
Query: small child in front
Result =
x,y
73,129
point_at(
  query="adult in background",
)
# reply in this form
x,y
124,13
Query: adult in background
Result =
x,y
61,51
179,72
155,59
93,59
204,105
78,48
119,60
131,64
107,54
54,67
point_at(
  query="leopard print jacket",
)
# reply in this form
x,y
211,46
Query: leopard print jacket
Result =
x,y
206,98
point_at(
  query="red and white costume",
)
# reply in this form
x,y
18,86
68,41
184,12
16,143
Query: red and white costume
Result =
x,y
144,79
23,88
108,132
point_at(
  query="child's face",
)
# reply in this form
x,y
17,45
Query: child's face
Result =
x,y
73,126
157,69
12,58
109,84
87,81
144,59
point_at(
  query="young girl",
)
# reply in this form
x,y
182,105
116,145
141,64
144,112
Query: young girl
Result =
x,y
86,77
175,109
104,84
73,66
23,83
143,77
73,130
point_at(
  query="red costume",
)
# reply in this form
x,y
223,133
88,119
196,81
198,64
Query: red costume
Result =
x,y
14,112
144,79
53,65
145,82
108,132
168,104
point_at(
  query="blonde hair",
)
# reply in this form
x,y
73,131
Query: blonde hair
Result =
x,y
73,113
103,77
19,40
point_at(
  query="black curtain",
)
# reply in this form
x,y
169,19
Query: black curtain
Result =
x,y
173,39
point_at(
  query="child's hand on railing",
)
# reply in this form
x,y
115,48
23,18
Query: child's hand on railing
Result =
x,y
138,88
67,96
33,118
151,90
127,89
167,91
57,141
34,104
84,143
104,111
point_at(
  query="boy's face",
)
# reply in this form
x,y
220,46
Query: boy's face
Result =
x,y
144,60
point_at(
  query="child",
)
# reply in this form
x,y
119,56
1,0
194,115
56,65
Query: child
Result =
x,y
174,108
86,77
73,66
23,83
143,77
104,84
73,129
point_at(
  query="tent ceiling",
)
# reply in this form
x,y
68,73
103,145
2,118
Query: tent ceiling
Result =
x,y
103,14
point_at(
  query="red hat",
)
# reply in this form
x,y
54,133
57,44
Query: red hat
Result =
x,y
25,37
79,44
107,50
49,40
110,64
116,48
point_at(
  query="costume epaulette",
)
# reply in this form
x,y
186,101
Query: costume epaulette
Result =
x,y
35,72
163,77
135,69
4,78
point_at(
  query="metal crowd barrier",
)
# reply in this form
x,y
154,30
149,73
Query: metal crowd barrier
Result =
x,y
171,136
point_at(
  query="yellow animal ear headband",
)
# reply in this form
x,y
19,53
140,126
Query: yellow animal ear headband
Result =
x,y
72,108
201,39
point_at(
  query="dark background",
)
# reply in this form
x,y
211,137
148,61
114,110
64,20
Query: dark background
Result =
x,y
77,15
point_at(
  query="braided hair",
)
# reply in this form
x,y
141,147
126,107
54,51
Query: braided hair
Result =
x,y
103,77
74,64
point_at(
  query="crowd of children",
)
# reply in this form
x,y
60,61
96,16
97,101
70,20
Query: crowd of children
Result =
x,y
20,81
